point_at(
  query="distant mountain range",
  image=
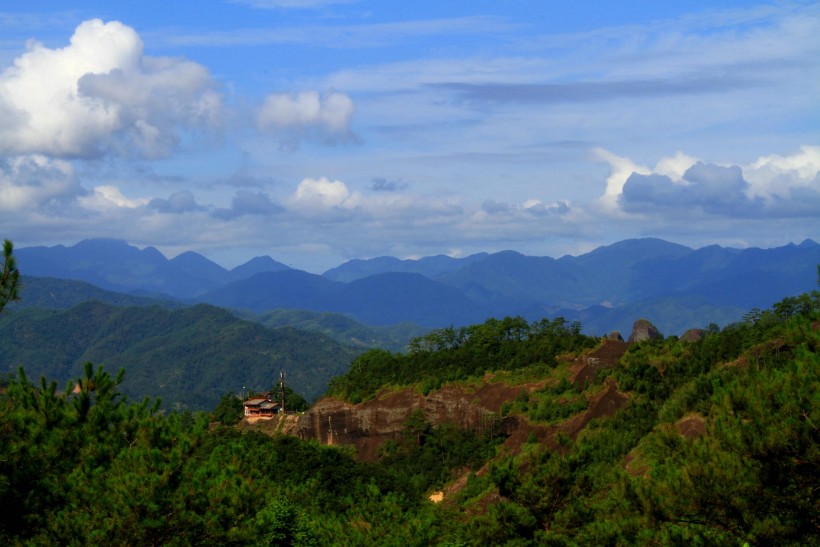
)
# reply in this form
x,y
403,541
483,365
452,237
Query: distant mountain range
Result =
x,y
117,266
672,285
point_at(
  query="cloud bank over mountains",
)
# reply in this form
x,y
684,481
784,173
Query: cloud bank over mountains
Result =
x,y
411,156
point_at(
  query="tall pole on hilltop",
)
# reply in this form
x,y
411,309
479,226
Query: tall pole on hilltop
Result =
x,y
282,389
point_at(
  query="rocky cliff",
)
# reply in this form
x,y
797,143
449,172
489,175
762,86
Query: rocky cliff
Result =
x,y
368,425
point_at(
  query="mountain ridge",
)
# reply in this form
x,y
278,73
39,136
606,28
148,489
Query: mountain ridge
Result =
x,y
599,286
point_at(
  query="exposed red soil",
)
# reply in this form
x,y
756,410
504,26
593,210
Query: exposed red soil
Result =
x,y
605,356
691,426
606,403
367,426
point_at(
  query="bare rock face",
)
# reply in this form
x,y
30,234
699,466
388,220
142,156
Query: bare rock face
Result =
x,y
586,367
643,330
693,335
368,425
615,336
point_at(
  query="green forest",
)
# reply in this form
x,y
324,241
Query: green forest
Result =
x,y
88,466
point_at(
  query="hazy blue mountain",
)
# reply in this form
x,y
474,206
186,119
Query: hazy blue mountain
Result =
x,y
390,298
257,265
510,277
377,300
270,290
117,266
430,266
107,263
603,287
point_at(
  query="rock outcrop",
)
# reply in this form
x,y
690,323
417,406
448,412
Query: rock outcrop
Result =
x,y
643,330
693,335
585,367
366,426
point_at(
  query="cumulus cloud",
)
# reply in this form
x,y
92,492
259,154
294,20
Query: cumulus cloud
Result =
x,y
32,182
100,94
178,202
772,186
713,189
320,193
326,116
621,168
773,175
532,207
108,197
246,203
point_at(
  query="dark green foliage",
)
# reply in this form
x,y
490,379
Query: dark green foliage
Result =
x,y
88,467
63,294
342,328
229,410
750,477
9,276
188,357
426,456
281,523
451,354
294,402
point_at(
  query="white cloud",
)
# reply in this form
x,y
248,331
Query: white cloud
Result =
x,y
773,186
108,197
620,168
320,193
675,166
73,101
774,175
31,182
329,114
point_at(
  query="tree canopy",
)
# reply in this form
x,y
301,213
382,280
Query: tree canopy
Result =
x,y
9,276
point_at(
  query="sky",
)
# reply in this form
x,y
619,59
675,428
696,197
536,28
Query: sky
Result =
x,y
319,131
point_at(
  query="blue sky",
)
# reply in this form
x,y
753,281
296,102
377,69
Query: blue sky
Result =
x,y
318,131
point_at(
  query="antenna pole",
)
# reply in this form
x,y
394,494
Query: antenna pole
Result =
x,y
282,389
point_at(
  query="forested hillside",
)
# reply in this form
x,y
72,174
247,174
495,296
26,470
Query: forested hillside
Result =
x,y
341,328
716,442
188,357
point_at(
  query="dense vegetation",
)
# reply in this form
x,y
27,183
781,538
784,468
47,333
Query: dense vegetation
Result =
x,y
188,357
719,444
450,354
341,328
90,467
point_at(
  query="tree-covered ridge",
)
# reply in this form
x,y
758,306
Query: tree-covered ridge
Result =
x,y
450,354
341,328
717,445
188,357
87,467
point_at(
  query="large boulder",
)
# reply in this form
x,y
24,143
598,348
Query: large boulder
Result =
x,y
615,336
693,335
643,330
